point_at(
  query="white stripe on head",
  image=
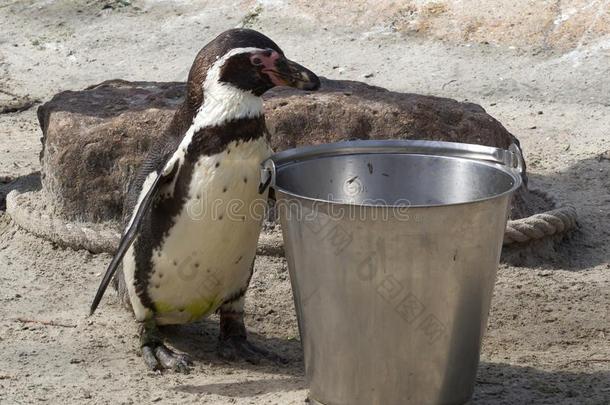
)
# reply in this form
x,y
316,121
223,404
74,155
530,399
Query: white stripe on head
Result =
x,y
222,102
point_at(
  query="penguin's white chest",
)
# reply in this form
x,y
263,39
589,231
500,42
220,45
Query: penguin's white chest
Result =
x,y
207,254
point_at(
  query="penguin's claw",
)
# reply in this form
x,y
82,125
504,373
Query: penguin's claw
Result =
x,y
156,355
149,358
239,348
171,360
160,357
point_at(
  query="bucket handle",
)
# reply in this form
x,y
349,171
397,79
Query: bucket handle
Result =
x,y
267,175
517,162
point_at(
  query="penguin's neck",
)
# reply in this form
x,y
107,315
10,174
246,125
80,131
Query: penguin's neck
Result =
x,y
227,114
223,103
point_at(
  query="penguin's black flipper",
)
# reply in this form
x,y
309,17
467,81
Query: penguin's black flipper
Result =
x,y
131,232
125,243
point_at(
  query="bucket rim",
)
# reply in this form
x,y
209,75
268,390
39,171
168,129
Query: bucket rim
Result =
x,y
509,162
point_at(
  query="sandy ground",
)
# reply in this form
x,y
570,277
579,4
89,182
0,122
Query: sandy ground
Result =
x,y
548,335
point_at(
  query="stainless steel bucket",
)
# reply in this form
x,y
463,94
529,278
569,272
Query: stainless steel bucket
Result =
x,y
393,248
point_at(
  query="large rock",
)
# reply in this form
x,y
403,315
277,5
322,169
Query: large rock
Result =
x,y
94,140
345,109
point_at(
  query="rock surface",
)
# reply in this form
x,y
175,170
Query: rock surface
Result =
x,y
94,140
344,109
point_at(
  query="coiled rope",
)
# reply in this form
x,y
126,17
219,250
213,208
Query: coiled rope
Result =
x,y
541,225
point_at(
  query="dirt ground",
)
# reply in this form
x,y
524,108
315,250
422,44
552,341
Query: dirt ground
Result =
x,y
548,340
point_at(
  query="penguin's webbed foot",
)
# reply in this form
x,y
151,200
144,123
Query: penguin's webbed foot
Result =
x,y
157,355
233,343
160,357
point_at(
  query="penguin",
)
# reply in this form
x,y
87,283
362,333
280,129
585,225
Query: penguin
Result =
x,y
192,216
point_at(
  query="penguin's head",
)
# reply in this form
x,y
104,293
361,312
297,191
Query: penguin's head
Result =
x,y
260,69
244,60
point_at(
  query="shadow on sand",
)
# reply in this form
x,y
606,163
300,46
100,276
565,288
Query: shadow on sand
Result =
x,y
29,182
200,340
497,383
506,384
585,185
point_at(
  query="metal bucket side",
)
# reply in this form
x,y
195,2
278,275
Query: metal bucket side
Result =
x,y
392,308
392,311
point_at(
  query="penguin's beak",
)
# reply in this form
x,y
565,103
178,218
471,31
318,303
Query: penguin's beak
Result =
x,y
284,72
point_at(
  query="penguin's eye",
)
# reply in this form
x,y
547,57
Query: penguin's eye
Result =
x,y
257,61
